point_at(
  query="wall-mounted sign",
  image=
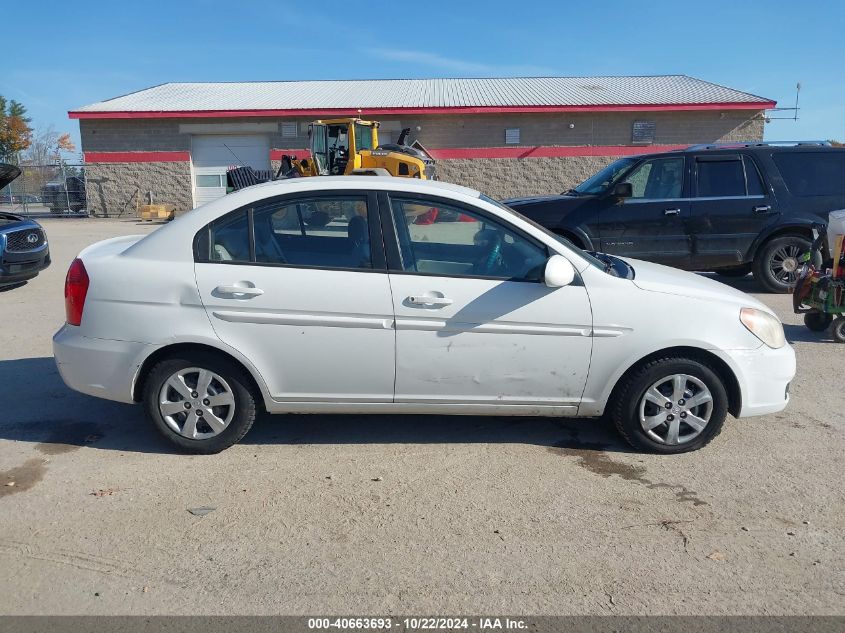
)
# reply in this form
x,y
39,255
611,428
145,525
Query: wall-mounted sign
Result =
x,y
642,132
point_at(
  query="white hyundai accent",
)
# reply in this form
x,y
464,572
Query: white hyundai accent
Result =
x,y
390,295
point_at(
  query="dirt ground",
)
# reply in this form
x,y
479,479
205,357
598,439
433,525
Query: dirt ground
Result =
x,y
379,515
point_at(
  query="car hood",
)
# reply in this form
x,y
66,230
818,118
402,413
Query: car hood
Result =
x,y
539,199
657,278
8,173
10,220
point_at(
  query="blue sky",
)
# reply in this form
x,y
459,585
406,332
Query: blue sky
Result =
x,y
68,54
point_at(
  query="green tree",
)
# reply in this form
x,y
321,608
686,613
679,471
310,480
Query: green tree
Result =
x,y
15,133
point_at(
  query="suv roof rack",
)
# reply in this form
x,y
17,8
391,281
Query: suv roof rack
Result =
x,y
757,144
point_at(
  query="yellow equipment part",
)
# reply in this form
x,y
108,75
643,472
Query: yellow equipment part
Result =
x,y
345,146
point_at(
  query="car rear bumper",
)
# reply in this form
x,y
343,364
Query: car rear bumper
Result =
x,y
97,367
764,375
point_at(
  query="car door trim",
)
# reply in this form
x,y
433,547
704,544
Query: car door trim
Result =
x,y
372,322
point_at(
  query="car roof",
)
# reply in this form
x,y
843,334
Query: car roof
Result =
x,y
326,183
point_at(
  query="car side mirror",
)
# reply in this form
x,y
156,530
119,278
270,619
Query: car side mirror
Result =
x,y
623,190
559,272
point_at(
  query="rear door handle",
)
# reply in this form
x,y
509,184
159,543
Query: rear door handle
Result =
x,y
246,291
429,300
763,208
672,212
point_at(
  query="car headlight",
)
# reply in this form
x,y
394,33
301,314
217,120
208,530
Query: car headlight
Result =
x,y
764,326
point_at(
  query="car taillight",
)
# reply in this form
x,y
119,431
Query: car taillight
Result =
x,y
76,287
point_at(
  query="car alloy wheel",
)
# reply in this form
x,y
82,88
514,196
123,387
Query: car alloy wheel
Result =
x,y
784,263
196,403
675,409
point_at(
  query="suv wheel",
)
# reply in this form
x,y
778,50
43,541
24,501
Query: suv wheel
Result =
x,y
777,263
201,403
671,405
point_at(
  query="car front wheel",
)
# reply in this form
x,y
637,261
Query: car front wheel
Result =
x,y
202,404
670,405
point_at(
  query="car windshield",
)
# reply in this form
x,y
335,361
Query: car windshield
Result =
x,y
601,181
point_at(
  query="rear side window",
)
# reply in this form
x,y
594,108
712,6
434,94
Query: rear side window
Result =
x,y
720,178
812,173
229,238
324,232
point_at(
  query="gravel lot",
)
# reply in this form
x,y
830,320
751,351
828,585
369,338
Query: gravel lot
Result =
x,y
378,515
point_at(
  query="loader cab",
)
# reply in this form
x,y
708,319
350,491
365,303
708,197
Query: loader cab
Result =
x,y
335,144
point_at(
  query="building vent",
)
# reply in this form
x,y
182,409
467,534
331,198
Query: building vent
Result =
x,y
289,130
512,136
642,133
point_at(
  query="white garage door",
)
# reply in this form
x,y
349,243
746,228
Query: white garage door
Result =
x,y
212,155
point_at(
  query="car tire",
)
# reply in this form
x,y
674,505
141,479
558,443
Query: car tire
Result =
x,y
838,330
641,402
776,265
202,427
817,321
734,271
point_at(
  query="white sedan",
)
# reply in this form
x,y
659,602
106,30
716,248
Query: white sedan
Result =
x,y
391,295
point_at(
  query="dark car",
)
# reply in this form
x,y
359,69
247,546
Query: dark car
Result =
x,y
24,251
727,208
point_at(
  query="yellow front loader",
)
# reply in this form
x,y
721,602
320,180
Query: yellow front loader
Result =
x,y
350,146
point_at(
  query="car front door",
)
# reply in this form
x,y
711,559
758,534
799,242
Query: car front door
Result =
x,y
730,207
475,325
651,224
298,285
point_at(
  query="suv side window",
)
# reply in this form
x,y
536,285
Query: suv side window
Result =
x,y
658,178
325,232
812,173
752,177
720,177
440,239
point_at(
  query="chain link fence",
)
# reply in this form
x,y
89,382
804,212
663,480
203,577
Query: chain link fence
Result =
x,y
47,190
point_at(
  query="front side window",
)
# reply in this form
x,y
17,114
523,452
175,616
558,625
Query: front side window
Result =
x,y
602,180
324,232
452,241
658,179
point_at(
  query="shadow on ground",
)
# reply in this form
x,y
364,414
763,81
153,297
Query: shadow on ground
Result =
x,y
39,408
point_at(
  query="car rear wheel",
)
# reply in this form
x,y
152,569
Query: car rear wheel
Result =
x,y
202,404
670,405
777,264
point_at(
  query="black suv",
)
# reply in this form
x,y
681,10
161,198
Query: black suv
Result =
x,y
728,208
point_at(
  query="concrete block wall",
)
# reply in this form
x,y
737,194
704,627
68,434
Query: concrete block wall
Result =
x,y
118,188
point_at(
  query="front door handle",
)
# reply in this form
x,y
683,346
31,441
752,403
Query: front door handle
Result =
x,y
246,291
429,300
671,212
763,208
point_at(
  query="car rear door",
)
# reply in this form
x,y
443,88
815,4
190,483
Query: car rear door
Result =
x,y
731,205
475,325
651,224
298,285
